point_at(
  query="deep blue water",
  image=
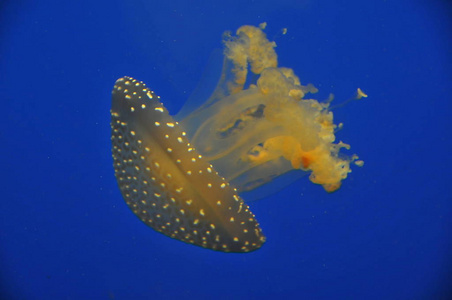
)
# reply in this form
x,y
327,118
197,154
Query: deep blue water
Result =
x,y
66,232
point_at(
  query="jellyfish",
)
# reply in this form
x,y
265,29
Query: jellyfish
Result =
x,y
182,175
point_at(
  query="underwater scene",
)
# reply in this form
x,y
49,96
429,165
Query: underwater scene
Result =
x,y
226,150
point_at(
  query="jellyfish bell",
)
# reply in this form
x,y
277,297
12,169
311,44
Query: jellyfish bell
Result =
x,y
182,176
167,183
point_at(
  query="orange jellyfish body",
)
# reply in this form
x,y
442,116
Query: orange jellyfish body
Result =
x,y
182,176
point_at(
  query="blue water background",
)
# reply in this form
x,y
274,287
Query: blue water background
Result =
x,y
66,232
